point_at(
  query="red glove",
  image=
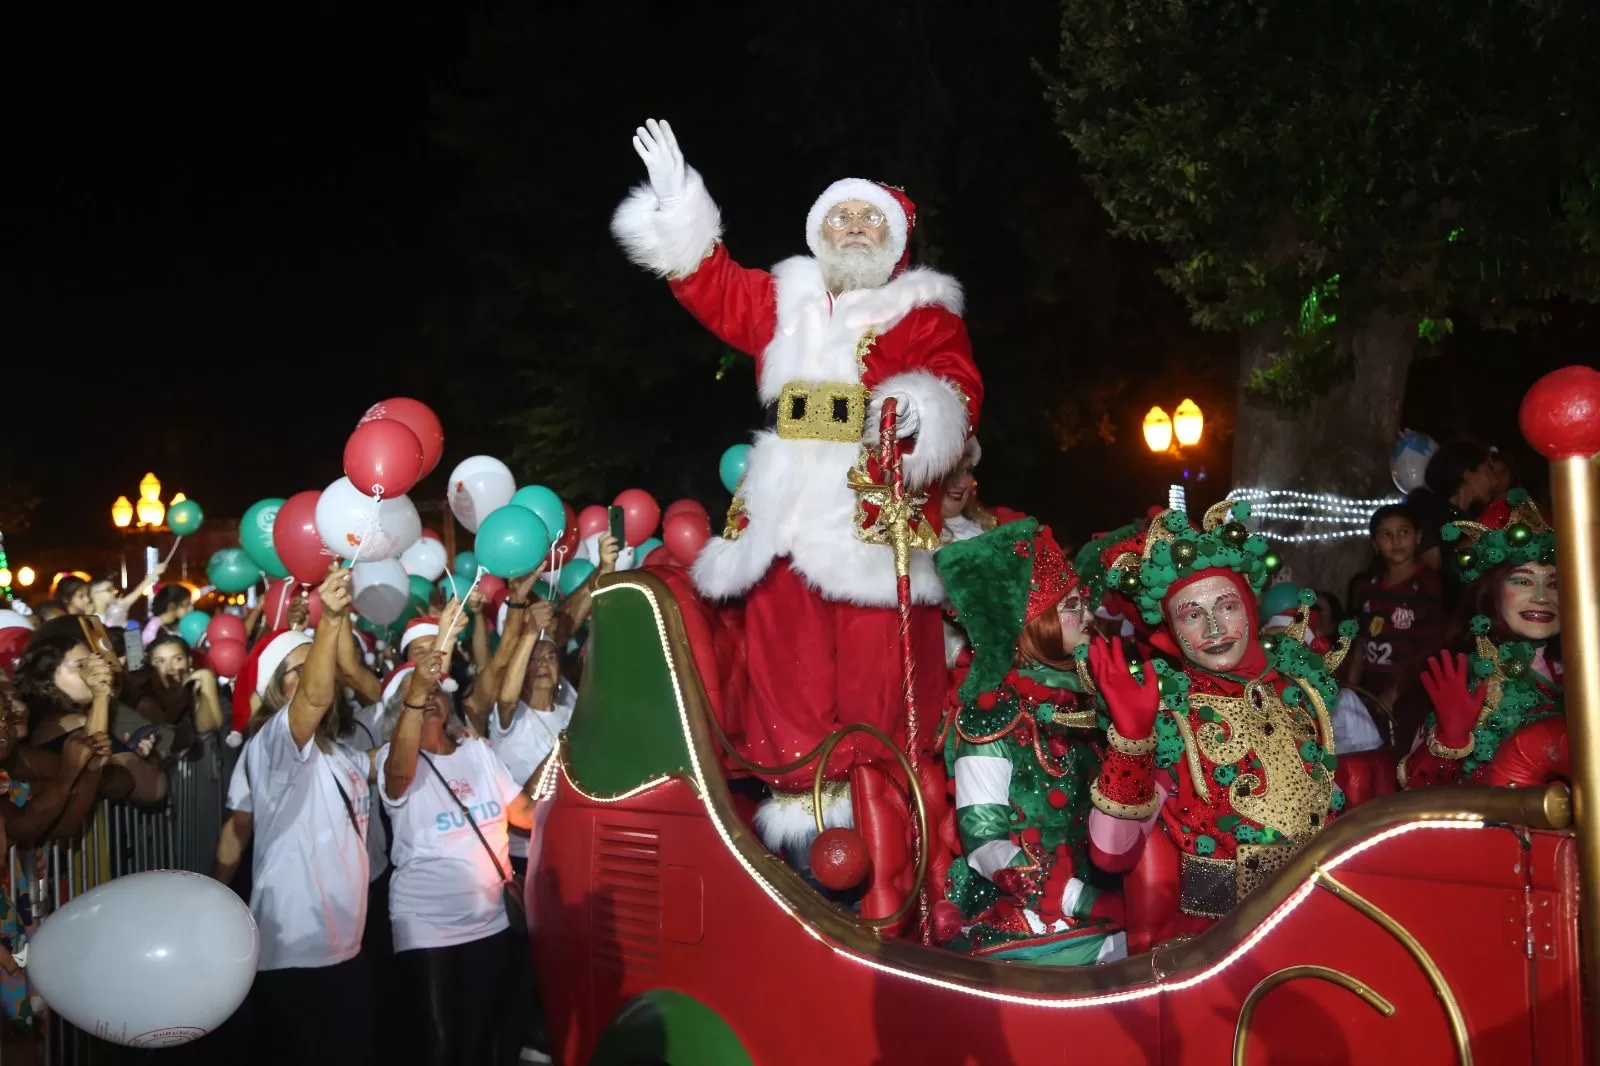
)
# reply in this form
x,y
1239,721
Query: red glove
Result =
x,y
1449,686
1132,703
1015,881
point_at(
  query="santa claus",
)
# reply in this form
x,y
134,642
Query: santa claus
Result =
x,y
834,334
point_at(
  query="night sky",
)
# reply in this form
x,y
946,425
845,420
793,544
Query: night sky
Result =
x,y
230,231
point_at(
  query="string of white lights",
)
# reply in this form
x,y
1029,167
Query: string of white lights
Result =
x,y
1323,498
1349,514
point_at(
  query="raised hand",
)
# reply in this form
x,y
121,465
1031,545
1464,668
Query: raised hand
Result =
x,y
1448,683
97,674
424,680
100,750
335,592
77,750
906,418
663,161
1131,703
541,616
609,548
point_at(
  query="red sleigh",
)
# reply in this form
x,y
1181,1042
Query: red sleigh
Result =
x,y
1438,925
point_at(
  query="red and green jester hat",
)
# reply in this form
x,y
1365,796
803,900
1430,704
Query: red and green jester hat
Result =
x,y
1221,742
1021,749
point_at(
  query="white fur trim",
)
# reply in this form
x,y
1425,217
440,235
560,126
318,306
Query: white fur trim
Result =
x,y
399,678
868,192
1070,897
415,630
668,239
234,738
800,505
273,655
782,820
449,684
942,429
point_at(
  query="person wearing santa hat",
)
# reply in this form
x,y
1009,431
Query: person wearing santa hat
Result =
x,y
834,335
308,799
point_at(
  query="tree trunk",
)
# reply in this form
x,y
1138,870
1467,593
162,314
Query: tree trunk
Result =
x,y
1339,445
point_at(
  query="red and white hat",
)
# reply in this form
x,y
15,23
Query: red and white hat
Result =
x,y
422,626
397,677
896,206
256,674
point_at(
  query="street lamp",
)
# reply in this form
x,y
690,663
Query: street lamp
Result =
x,y
26,576
122,513
151,509
1157,430
1187,422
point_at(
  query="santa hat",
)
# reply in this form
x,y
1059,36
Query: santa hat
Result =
x,y
397,677
897,208
423,626
369,646
256,674
13,642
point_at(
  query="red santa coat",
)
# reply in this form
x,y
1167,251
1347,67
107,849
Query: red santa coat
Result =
x,y
818,618
904,337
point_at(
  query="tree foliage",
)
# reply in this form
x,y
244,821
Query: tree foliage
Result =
x,y
1307,161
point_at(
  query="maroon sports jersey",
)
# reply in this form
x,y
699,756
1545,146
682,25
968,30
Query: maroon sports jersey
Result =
x,y
1401,625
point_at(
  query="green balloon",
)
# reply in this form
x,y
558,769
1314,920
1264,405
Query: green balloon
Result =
x,y
455,585
192,627
574,574
421,589
185,517
255,536
231,570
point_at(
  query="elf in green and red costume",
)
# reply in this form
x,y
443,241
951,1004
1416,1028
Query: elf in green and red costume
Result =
x,y
1022,750
1220,745
1498,714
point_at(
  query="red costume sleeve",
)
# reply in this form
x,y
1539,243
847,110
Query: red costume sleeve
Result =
x,y
736,303
1533,756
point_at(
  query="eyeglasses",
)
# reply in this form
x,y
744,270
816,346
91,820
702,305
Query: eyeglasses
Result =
x,y
839,218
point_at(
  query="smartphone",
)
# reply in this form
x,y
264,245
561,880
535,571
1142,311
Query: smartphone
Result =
x,y
614,520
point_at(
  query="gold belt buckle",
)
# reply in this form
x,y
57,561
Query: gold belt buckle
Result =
x,y
828,410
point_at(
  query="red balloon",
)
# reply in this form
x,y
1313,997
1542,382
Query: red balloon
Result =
x,y
685,533
295,536
591,520
428,534
694,506
281,596
383,457
419,418
640,515
566,548
659,557
225,627
227,656
494,591
1560,415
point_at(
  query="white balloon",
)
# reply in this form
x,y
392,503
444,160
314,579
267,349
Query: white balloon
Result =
x,y
380,590
479,486
148,960
426,559
12,620
344,517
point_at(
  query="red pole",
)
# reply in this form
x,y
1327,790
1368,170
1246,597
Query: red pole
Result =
x,y
900,536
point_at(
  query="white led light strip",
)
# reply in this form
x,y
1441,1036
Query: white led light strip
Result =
x,y
1284,909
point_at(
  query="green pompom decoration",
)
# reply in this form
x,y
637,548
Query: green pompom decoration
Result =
x,y
1161,552
1247,834
1450,533
1204,845
1481,625
1307,597
1241,510
1516,497
1255,544
1081,652
1176,521
1348,628
1224,775
1336,801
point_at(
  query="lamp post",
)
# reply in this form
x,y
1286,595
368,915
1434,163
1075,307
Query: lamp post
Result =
x,y
150,512
1169,435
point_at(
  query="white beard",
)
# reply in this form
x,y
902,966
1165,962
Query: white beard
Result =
x,y
846,269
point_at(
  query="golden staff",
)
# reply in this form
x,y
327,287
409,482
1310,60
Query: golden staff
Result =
x,y
1561,418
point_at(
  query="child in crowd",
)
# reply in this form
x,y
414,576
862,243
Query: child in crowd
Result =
x,y
1400,610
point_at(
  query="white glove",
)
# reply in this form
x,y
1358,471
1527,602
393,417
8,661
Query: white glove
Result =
x,y
663,160
907,420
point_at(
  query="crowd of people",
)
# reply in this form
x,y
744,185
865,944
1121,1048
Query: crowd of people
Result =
x,y
378,808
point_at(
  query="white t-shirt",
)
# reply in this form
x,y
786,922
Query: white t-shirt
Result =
x,y
526,742
445,889
366,734
377,840
309,894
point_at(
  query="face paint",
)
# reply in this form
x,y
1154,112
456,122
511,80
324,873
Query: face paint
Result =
x,y
1211,623
1530,604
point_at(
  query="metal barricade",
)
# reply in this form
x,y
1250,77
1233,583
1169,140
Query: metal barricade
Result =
x,y
119,839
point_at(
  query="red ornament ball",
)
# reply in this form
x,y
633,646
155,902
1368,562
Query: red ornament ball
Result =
x,y
1561,414
1031,835
945,918
1056,798
839,859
